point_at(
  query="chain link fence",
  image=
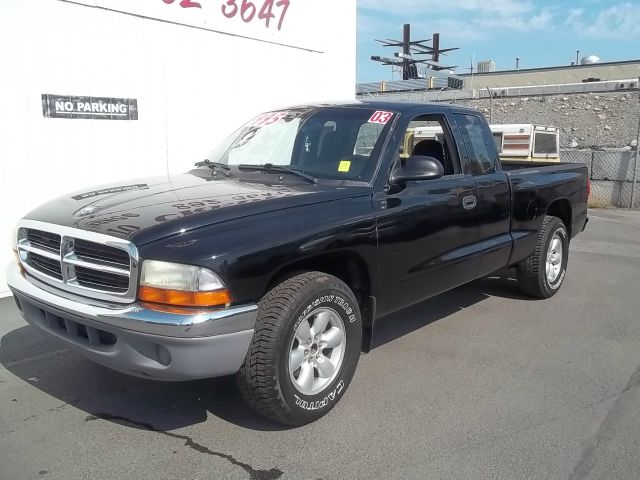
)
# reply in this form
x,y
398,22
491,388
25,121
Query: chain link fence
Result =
x,y
612,176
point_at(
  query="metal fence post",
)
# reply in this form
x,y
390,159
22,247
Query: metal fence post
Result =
x,y
635,167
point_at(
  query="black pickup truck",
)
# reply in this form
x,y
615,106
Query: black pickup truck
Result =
x,y
274,257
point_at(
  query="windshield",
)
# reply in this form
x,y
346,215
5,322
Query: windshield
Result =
x,y
331,142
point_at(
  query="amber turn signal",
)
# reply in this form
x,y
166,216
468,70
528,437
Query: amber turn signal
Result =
x,y
185,299
18,262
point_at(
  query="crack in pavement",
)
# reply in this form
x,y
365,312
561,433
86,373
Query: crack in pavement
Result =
x,y
254,474
585,463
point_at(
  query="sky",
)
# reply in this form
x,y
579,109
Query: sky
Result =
x,y
541,33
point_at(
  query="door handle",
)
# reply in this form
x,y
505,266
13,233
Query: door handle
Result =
x,y
469,202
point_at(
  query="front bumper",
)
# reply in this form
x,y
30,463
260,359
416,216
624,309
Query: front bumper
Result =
x,y
134,339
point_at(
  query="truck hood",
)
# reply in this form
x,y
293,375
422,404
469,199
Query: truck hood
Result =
x,y
146,210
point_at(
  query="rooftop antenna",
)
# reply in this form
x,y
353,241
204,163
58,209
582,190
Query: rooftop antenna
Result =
x,y
406,52
435,42
413,54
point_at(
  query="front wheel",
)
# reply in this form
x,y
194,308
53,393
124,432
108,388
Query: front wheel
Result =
x,y
304,350
541,274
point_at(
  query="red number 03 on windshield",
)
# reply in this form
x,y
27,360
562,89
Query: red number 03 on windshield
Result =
x,y
381,117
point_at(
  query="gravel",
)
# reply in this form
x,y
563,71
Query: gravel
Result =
x,y
586,120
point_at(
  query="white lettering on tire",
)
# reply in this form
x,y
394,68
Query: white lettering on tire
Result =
x,y
327,299
318,404
335,393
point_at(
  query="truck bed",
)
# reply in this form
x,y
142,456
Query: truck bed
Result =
x,y
538,186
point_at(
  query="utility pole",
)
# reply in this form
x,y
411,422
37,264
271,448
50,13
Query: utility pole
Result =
x,y
635,165
470,68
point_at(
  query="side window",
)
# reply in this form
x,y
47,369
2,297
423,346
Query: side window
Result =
x,y
427,135
481,149
545,144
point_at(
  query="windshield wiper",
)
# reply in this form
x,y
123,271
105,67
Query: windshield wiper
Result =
x,y
215,166
271,168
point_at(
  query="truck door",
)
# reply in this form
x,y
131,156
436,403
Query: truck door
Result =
x,y
480,158
426,229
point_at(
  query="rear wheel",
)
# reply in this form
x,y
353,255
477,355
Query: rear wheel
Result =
x,y
304,350
541,274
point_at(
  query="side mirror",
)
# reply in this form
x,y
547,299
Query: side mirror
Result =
x,y
416,167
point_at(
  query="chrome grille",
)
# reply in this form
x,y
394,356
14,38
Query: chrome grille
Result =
x,y
86,263
109,282
46,265
46,240
93,251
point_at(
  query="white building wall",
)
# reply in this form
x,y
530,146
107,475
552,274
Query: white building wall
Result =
x,y
193,86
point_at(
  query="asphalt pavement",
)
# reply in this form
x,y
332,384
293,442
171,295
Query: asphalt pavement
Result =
x,y
478,383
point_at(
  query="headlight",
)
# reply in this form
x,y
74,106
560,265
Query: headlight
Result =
x,y
181,285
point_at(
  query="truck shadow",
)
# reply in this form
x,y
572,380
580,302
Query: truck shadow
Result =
x,y
160,406
500,284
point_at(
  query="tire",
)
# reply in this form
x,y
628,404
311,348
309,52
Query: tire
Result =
x,y
297,396
534,278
